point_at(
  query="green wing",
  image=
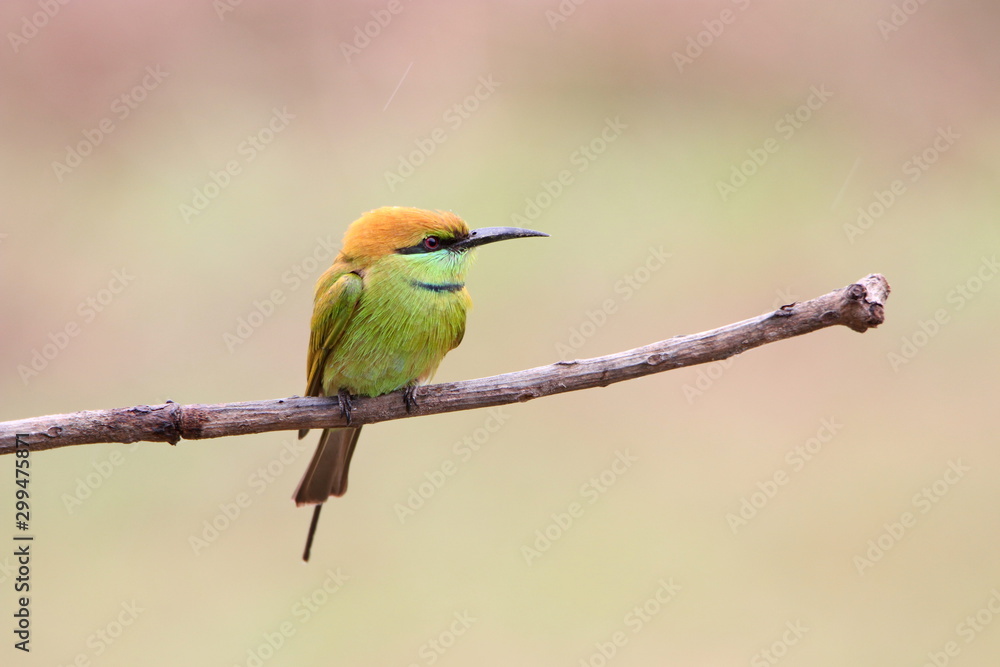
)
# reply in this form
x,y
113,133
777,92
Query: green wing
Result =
x,y
336,300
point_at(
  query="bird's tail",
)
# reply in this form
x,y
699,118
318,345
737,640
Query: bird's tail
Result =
x,y
327,473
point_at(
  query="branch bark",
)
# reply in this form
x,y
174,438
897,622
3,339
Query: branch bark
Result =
x,y
858,306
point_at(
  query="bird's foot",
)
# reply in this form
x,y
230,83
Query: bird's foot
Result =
x,y
346,406
410,398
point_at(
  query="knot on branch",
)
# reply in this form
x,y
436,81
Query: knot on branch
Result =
x,y
864,306
164,421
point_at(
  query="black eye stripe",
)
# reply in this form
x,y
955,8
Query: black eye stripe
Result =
x,y
423,246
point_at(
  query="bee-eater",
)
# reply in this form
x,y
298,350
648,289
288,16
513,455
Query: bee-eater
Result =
x,y
385,314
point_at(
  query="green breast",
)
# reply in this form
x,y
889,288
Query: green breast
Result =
x,y
401,330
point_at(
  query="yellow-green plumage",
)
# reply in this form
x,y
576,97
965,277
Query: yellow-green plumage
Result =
x,y
400,329
386,313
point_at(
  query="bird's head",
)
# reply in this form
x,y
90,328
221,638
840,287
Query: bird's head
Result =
x,y
418,239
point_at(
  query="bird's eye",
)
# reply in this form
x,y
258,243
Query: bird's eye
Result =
x,y
432,243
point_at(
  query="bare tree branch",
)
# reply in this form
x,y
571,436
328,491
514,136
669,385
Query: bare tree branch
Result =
x,y
859,306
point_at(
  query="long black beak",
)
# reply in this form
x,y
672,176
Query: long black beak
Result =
x,y
484,235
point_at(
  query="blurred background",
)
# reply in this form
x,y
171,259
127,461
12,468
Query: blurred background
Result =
x,y
177,175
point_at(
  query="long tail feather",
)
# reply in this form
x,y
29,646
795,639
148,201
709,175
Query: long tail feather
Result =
x,y
327,474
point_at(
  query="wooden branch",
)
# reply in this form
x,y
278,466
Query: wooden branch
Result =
x,y
859,306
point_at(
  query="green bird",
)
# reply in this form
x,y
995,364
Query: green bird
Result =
x,y
385,314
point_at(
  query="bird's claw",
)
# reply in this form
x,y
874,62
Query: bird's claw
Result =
x,y
410,398
346,407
